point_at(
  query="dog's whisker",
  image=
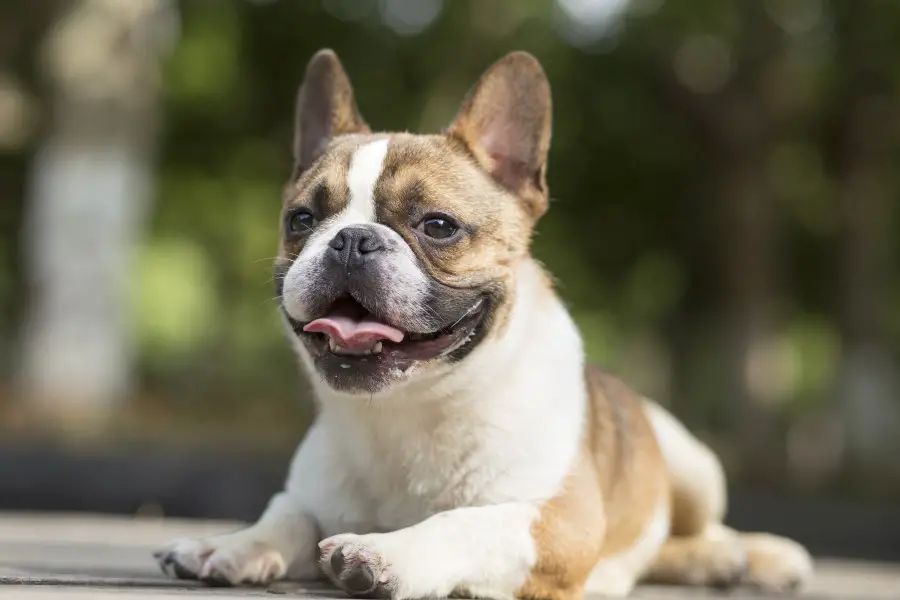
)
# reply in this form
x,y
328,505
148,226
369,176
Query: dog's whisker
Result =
x,y
289,256
268,301
472,309
273,279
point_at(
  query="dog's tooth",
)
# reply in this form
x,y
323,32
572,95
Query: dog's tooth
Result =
x,y
337,348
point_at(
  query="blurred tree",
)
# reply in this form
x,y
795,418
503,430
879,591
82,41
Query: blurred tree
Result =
x,y
865,153
715,66
723,223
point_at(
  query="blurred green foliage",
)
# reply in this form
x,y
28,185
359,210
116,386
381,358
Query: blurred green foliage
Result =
x,y
651,119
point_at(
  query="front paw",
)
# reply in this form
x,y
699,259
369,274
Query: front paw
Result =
x,y
358,566
224,560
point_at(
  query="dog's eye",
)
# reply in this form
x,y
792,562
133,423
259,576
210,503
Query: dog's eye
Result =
x,y
300,221
439,228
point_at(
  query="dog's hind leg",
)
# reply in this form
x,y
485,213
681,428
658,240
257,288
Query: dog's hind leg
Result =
x,y
701,549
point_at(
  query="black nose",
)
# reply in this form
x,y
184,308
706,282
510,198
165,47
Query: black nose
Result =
x,y
355,243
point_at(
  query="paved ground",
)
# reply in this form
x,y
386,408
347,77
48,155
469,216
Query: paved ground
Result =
x,y
82,557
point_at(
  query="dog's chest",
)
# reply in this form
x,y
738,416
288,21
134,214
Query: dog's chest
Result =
x,y
412,467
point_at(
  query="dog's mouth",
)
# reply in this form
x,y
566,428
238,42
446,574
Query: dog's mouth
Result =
x,y
349,330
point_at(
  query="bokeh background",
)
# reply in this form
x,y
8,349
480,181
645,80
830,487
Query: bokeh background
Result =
x,y
724,229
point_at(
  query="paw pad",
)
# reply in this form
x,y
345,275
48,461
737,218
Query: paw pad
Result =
x,y
356,577
358,570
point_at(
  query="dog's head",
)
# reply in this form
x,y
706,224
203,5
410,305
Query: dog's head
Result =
x,y
399,252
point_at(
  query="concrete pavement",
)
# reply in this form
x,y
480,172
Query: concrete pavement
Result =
x,y
83,556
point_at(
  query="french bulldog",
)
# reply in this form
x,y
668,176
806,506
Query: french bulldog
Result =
x,y
462,445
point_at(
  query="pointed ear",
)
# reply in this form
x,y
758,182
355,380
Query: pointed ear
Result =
x,y
325,108
505,122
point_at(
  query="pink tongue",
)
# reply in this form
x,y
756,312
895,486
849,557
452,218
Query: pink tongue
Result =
x,y
350,333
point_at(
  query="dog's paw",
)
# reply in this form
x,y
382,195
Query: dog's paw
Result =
x,y
716,563
356,565
715,558
225,560
777,565
722,563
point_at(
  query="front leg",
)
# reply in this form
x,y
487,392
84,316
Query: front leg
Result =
x,y
282,543
283,538
485,552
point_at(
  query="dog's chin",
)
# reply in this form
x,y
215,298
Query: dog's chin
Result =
x,y
378,366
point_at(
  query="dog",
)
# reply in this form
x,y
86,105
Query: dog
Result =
x,y
462,446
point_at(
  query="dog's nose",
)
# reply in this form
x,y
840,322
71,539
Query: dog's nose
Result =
x,y
356,243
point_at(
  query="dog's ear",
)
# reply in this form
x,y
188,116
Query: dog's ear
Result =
x,y
325,108
505,122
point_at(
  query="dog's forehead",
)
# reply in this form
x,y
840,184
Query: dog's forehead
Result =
x,y
364,172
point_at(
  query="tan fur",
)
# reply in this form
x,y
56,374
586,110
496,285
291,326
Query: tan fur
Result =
x,y
612,492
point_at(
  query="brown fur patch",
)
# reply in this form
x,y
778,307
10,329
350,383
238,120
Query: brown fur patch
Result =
x,y
609,497
428,174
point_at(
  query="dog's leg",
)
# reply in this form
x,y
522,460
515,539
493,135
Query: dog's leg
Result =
x,y
284,537
484,552
281,543
713,557
722,557
703,551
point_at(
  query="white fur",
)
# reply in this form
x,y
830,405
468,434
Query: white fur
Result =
x,y
412,459
691,464
479,552
365,169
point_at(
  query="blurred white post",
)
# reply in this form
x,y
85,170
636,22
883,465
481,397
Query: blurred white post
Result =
x,y
90,187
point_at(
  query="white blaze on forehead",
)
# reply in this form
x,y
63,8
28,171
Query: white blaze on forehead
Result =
x,y
365,169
